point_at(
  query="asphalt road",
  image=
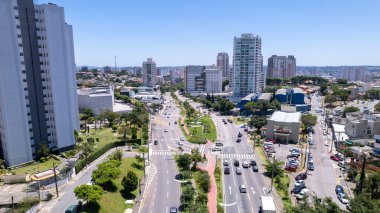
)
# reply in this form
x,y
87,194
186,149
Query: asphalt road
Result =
x,y
234,201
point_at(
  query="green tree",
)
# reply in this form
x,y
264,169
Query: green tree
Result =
x,y
364,203
377,107
203,181
106,172
117,155
187,196
88,193
343,95
196,157
372,185
276,166
251,107
184,161
258,122
330,99
342,81
349,109
129,182
43,150
308,120
114,128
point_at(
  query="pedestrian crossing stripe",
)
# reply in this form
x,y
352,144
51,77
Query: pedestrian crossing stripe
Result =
x,y
162,153
237,156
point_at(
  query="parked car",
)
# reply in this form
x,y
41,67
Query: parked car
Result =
x,y
238,140
304,192
342,164
182,138
236,163
339,189
298,189
343,198
226,170
335,158
310,166
238,171
301,176
72,209
243,189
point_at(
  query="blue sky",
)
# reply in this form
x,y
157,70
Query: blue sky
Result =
x,y
182,32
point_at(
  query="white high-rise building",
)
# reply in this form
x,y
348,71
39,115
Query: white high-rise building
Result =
x,y
213,81
194,79
222,61
281,66
248,75
38,101
149,73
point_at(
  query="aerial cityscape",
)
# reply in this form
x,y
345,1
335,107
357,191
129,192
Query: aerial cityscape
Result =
x,y
195,107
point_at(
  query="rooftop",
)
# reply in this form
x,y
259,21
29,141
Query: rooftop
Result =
x,y
281,92
293,117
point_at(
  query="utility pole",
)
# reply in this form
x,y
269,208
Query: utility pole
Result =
x,y
271,182
13,205
55,179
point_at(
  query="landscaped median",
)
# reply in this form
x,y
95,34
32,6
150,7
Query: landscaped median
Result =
x,y
219,187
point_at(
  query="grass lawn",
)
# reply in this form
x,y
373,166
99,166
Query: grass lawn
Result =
x,y
260,151
239,120
282,188
219,187
33,168
113,201
105,136
199,135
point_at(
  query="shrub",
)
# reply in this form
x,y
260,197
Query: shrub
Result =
x,y
203,181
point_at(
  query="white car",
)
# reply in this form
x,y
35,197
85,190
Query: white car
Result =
x,y
302,194
324,132
327,143
298,183
343,198
245,164
165,130
182,138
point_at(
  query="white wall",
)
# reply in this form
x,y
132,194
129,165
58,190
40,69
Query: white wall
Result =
x,y
14,128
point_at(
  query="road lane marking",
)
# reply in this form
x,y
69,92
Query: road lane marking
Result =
x,y
227,205
265,190
238,209
230,189
253,192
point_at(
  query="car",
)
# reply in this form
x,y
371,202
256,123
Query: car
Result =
x,y
327,143
342,164
175,122
226,170
299,183
304,192
225,122
301,176
229,121
243,189
238,140
310,166
298,189
240,135
343,198
253,163
165,130
72,209
245,164
339,189
182,138
335,158
215,149
218,143
238,171
255,168
340,156
173,210
155,142
236,163
180,143
324,132
225,162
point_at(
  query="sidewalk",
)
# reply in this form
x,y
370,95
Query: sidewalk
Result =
x,y
211,196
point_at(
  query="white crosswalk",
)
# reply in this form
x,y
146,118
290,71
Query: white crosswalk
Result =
x,y
162,152
237,156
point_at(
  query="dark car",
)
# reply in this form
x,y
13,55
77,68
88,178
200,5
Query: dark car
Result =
x,y
334,158
310,166
72,209
253,163
155,142
301,176
226,170
236,163
240,135
238,140
298,189
173,210
339,189
175,122
255,168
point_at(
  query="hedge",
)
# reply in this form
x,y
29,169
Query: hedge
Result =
x,y
81,163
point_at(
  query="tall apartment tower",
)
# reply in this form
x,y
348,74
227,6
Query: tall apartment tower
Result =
x,y
281,66
38,101
213,80
149,73
222,61
194,79
248,75
354,73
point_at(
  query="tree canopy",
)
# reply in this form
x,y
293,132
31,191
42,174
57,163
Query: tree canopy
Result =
x,y
88,193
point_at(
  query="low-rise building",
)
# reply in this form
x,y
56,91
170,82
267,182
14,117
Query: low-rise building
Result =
x,y
265,97
283,126
291,96
96,98
360,125
376,149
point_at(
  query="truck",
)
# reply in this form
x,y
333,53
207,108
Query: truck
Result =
x,y
267,204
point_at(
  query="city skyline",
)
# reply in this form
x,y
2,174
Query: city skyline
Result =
x,y
323,33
